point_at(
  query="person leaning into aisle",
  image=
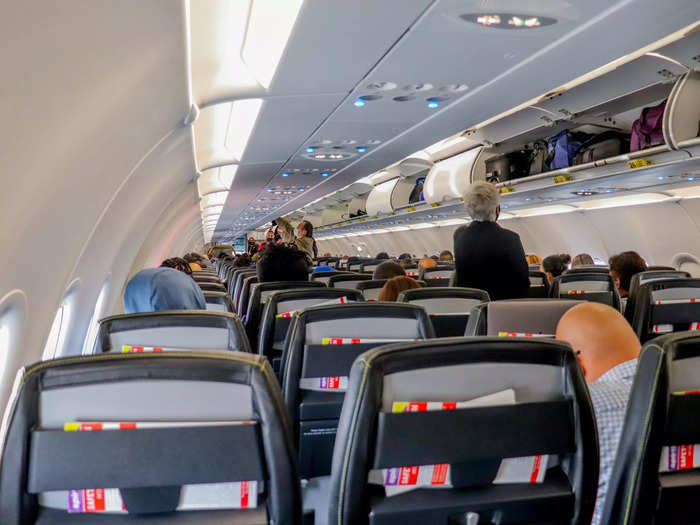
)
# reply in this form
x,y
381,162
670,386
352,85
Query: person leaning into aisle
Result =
x,y
304,239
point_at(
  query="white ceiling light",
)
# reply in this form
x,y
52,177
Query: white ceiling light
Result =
x,y
214,199
244,114
216,179
269,26
623,200
544,210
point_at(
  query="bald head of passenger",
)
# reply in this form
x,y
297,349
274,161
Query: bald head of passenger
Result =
x,y
600,336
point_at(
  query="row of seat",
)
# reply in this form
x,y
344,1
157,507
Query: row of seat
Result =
x,y
486,430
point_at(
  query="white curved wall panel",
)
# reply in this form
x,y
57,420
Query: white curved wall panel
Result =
x,y
450,178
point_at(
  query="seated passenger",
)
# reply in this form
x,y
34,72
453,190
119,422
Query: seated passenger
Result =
x,y
553,266
279,262
394,286
607,349
582,259
533,259
178,263
426,262
623,266
382,255
446,256
242,261
387,270
405,259
487,256
156,289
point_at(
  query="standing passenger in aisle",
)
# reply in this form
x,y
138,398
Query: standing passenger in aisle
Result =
x,y
487,256
304,239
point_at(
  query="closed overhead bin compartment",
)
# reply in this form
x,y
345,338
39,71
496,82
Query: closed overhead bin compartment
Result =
x,y
390,195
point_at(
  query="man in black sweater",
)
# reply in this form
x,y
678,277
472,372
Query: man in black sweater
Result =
x,y
487,256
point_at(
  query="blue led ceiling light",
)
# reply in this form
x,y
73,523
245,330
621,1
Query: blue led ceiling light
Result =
x,y
433,104
301,189
310,149
325,174
285,174
359,102
361,149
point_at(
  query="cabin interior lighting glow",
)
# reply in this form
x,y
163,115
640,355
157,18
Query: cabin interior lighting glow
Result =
x,y
216,179
689,192
422,226
623,200
244,114
214,199
270,25
544,210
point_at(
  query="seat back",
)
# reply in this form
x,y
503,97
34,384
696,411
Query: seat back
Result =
x,y
279,310
587,286
244,295
238,284
655,477
588,268
174,329
218,301
647,277
320,347
211,286
439,276
665,306
370,266
323,276
461,431
205,278
348,280
518,317
170,431
539,285
259,294
356,265
448,307
371,289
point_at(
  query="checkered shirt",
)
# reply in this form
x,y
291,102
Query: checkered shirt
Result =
x,y
609,394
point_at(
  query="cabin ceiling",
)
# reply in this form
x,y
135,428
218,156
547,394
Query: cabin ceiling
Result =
x,y
338,51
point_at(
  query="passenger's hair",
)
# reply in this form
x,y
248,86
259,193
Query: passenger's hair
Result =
x,y
178,263
242,261
446,256
306,225
565,258
388,270
427,262
533,259
624,265
280,262
394,286
555,264
192,257
582,259
404,256
481,201
382,255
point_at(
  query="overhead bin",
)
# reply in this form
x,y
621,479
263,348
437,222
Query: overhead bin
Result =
x,y
682,115
390,195
358,206
450,178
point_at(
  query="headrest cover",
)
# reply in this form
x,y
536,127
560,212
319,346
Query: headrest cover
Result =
x,y
156,289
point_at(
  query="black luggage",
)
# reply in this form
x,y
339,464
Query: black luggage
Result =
x,y
602,146
513,165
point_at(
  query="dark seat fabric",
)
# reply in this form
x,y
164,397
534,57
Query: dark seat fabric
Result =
x,y
235,293
244,294
664,306
320,347
348,280
588,269
206,278
539,285
218,301
371,289
587,286
211,286
536,317
448,307
259,294
178,329
438,276
324,276
647,277
279,310
652,480
379,435
221,419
